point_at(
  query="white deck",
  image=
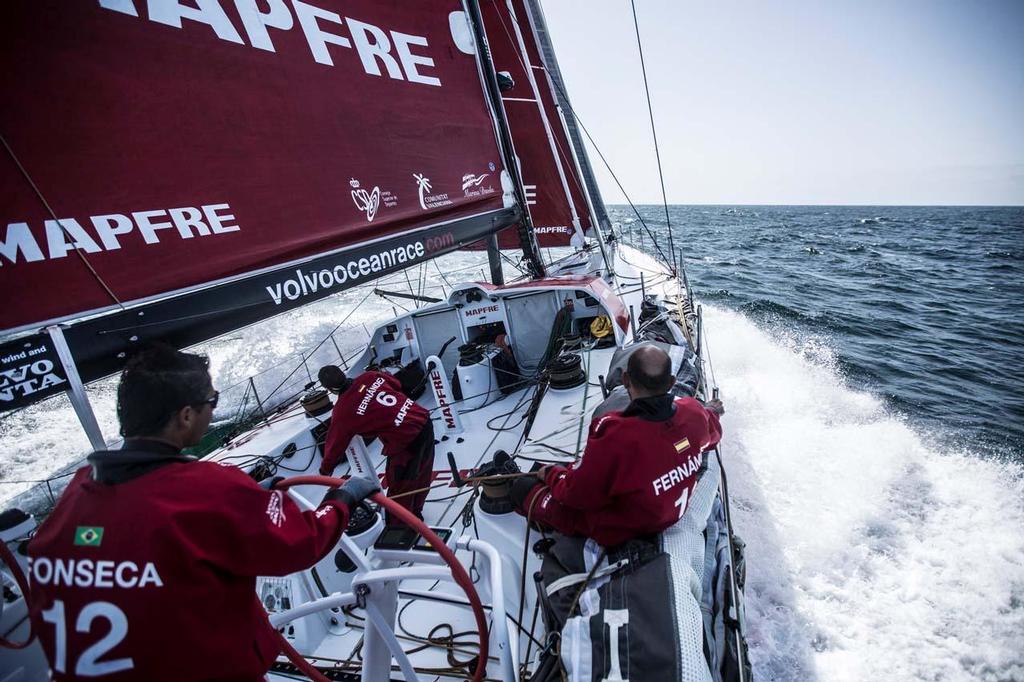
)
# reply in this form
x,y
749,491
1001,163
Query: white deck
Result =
x,y
560,425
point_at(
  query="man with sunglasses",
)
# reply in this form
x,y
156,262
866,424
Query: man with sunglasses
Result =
x,y
146,568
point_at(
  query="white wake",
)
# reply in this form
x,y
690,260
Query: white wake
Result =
x,y
870,554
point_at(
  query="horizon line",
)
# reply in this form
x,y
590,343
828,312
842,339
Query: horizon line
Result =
x,y
660,204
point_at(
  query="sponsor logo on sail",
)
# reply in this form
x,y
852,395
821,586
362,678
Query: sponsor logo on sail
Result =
x,y
470,180
407,57
427,200
369,201
111,232
472,185
26,372
530,192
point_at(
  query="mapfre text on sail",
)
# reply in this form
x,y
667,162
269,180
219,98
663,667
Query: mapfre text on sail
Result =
x,y
374,46
106,232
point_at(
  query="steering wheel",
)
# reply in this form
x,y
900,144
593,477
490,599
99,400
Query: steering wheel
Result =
x,y
408,518
19,577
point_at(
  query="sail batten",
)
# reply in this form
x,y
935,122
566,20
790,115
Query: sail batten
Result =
x,y
555,195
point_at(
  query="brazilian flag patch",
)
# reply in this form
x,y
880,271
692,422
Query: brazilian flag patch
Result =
x,y
89,536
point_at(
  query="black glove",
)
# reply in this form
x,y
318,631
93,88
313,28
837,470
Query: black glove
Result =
x,y
521,489
269,483
354,491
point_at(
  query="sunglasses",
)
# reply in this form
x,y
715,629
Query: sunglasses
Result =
x,y
212,401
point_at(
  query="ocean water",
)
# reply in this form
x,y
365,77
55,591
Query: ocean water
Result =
x,y
870,363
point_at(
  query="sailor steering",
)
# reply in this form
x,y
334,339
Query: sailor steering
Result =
x,y
146,568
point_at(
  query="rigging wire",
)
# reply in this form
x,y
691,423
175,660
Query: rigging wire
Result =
x,y
324,340
611,172
564,102
654,132
59,223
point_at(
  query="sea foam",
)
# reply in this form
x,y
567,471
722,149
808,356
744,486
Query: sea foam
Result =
x,y
870,554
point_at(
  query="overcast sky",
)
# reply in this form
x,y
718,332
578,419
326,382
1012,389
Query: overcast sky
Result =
x,y
802,102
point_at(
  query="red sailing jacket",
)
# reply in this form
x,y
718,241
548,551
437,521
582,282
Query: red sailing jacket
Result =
x,y
373,406
154,578
636,475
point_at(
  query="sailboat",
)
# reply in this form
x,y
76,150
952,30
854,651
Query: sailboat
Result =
x,y
176,171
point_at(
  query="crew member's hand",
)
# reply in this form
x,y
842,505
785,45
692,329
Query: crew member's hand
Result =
x,y
542,473
269,483
716,406
354,491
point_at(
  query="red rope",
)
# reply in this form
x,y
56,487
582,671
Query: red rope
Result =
x,y
408,518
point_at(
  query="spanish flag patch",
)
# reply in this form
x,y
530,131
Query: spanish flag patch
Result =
x,y
682,445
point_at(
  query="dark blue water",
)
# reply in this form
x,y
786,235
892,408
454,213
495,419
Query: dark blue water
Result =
x,y
922,306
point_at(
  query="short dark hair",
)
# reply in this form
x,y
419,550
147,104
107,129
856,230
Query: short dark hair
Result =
x,y
650,368
156,383
332,377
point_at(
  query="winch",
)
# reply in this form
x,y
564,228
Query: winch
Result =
x,y
566,371
316,402
495,495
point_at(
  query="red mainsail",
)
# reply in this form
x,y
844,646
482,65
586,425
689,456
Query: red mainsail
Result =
x,y
155,148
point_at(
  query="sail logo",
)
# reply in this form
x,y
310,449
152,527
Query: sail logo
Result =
x,y
530,192
471,185
58,238
427,200
470,180
369,202
26,372
404,56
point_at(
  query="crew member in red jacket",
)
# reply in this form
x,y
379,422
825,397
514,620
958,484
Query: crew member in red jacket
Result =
x,y
639,467
146,568
373,406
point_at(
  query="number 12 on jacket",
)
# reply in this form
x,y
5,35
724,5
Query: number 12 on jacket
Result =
x,y
88,665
